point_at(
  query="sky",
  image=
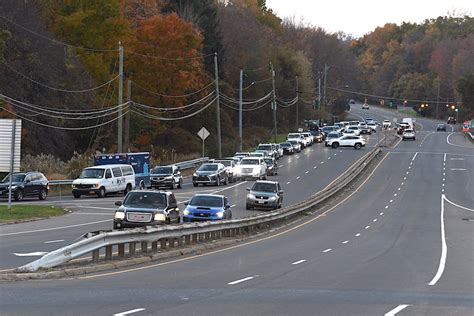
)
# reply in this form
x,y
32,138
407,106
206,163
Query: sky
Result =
x,y
359,17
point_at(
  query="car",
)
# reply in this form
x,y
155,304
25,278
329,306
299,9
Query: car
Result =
x,y
401,127
408,134
104,179
259,154
166,176
353,123
210,173
328,129
25,184
451,120
299,137
356,129
330,136
207,207
229,165
364,128
347,141
287,148
272,166
308,137
241,154
317,136
386,124
279,150
372,126
365,106
251,167
352,101
296,145
441,128
268,149
145,208
264,194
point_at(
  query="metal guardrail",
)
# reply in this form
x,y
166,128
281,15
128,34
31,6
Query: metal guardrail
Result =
x,y
183,165
189,233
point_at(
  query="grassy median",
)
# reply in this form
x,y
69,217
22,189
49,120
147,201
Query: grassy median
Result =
x,y
21,213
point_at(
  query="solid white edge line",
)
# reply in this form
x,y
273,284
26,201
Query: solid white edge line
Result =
x,y
444,248
54,228
130,312
299,261
54,241
396,310
31,254
457,205
240,281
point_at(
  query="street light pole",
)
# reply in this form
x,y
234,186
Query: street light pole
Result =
x,y
218,110
297,103
120,101
241,79
274,105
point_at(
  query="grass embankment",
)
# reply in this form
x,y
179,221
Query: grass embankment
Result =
x,y
409,112
21,213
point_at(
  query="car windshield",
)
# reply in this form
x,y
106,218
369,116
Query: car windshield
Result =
x,y
145,199
333,135
16,177
162,170
285,145
268,161
264,187
226,163
92,174
293,135
208,167
293,142
206,200
249,162
264,147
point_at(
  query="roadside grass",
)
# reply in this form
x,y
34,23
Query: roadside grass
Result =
x,y
409,112
20,213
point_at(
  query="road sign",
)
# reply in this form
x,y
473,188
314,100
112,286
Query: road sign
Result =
x,y
203,133
300,130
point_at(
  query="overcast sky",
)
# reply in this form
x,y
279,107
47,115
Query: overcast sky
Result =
x,y
358,17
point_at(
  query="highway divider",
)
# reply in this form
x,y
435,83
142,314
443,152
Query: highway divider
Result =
x,y
100,245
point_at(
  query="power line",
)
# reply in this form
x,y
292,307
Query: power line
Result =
x,y
151,116
247,101
169,58
175,96
249,109
58,89
56,41
176,108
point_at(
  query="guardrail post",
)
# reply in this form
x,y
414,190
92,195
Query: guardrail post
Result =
x,y
132,248
121,250
154,246
172,242
187,239
95,255
232,232
144,247
108,252
180,241
163,243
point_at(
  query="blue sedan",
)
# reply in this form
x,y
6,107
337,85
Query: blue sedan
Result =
x,y
207,207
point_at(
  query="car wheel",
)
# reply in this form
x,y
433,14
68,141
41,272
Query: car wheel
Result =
x,y
76,195
248,207
116,226
101,193
142,186
218,181
264,177
18,195
43,194
335,145
173,185
195,184
226,180
127,189
180,184
178,219
357,146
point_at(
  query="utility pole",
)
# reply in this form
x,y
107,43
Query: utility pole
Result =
x,y
12,162
297,103
319,90
241,79
127,117
274,105
120,100
325,78
218,110
437,100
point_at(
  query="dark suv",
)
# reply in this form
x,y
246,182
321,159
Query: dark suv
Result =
x,y
451,120
25,184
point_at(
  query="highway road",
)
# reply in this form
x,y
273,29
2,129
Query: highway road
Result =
x,y
400,244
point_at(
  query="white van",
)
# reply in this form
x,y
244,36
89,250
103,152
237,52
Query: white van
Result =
x,y
104,179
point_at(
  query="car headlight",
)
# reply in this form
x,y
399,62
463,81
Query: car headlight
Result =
x,y
73,186
272,198
160,217
220,214
195,175
96,185
250,196
168,177
186,212
119,215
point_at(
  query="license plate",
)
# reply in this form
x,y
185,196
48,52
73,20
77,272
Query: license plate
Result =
x,y
91,192
261,202
137,217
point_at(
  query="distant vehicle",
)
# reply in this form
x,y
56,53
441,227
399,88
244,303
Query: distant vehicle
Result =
x,y
372,126
260,154
267,149
409,121
229,165
146,207
332,135
296,145
104,179
298,137
352,101
308,137
207,207
210,173
279,150
140,163
356,130
251,167
265,194
386,124
272,166
166,176
347,141
402,127
287,148
365,106
25,184
441,128
317,136
408,134
451,120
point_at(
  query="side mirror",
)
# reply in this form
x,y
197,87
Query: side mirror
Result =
x,y
248,189
227,206
186,203
118,203
280,192
27,181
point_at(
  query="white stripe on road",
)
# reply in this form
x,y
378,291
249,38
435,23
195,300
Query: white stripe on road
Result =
x,y
327,250
457,205
458,169
240,281
130,312
444,248
444,158
396,310
374,220
298,177
298,262
456,158
345,241
367,227
85,213
30,254
54,228
357,235
306,172
54,241
412,159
